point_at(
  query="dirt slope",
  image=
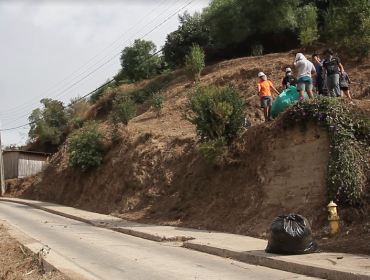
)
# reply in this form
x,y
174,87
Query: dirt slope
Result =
x,y
155,175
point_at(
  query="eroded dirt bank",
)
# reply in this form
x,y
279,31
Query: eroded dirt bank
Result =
x,y
164,181
154,174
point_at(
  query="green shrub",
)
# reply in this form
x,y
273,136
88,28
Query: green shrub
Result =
x,y
77,122
257,49
157,101
348,25
86,147
194,62
213,151
349,133
124,109
217,112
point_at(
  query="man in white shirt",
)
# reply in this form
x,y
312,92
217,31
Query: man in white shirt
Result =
x,y
305,70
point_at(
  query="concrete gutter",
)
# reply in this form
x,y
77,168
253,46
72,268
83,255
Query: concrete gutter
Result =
x,y
336,266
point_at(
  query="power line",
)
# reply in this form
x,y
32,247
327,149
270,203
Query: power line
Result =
x,y
91,58
14,120
108,82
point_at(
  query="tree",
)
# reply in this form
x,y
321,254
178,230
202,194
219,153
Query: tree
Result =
x,y
348,25
250,17
48,122
140,61
178,43
307,23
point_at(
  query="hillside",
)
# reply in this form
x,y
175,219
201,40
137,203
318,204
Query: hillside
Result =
x,y
155,175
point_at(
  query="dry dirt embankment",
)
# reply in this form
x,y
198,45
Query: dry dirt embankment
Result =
x,y
155,175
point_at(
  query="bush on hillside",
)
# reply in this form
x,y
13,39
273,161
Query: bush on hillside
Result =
x,y
77,122
157,101
217,112
124,109
86,147
194,62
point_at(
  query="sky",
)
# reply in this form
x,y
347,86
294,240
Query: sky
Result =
x,y
63,49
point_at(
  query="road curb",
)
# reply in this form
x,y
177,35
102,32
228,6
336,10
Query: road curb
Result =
x,y
271,262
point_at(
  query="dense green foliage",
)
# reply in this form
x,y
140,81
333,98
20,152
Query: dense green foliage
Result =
x,y
307,22
86,147
217,112
47,123
349,133
348,24
194,62
250,17
140,61
178,43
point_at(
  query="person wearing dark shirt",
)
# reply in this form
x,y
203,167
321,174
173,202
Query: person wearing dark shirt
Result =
x,y
332,66
320,82
344,80
289,80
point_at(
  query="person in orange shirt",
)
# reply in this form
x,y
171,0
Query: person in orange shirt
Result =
x,y
264,90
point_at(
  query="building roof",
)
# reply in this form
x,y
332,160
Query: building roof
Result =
x,y
28,152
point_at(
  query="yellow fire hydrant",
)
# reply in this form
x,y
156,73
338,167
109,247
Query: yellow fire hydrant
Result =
x,y
333,217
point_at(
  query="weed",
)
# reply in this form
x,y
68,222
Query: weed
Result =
x,y
194,62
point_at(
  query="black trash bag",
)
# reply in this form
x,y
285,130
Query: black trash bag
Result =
x,y
291,235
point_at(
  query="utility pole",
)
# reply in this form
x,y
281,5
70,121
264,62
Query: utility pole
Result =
x,y
2,167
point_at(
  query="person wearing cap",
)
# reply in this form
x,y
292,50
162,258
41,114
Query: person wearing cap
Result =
x,y
320,82
305,70
264,90
289,80
332,66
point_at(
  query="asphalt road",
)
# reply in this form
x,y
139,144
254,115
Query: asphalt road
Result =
x,y
82,251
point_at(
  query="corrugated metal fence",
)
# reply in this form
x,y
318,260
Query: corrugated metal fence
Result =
x,y
19,164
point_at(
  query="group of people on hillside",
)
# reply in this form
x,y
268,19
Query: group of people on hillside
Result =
x,y
331,79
